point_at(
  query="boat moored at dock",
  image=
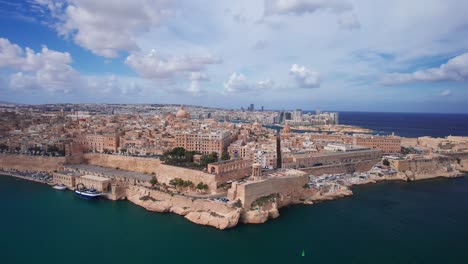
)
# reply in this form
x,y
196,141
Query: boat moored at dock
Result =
x,y
60,187
86,193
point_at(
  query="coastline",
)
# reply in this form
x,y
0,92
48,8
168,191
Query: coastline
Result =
x,y
333,129
9,174
224,216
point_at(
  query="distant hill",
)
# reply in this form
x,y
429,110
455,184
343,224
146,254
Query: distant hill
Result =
x,y
8,103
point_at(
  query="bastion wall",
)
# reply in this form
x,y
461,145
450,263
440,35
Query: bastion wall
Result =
x,y
31,163
164,173
251,191
422,164
352,167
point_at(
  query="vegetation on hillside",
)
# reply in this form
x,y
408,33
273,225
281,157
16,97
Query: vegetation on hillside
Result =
x,y
184,158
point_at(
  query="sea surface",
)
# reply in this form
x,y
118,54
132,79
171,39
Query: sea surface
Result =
x,y
389,222
409,124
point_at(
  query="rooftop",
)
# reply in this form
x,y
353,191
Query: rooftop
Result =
x,y
95,178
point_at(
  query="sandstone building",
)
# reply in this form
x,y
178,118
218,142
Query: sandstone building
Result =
x,y
204,142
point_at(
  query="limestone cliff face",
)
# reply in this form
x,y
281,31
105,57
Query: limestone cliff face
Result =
x,y
328,196
254,217
211,218
204,212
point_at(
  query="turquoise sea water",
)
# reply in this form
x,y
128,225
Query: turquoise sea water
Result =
x,y
392,222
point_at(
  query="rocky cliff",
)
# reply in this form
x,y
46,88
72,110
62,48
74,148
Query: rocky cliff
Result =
x,y
203,212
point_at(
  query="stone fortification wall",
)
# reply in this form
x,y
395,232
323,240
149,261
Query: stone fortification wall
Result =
x,y
229,170
421,164
287,186
123,162
341,168
427,167
31,163
458,155
233,175
164,173
74,159
298,161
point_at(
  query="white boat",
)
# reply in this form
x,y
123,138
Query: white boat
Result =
x,y
60,187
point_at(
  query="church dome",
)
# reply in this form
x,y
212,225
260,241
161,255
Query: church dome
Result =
x,y
182,113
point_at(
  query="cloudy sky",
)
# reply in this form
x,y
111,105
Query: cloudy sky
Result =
x,y
351,55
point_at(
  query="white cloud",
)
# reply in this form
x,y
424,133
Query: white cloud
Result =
x,y
195,87
199,76
304,77
106,27
300,7
302,34
238,83
456,69
349,21
48,69
10,54
112,85
446,93
260,44
153,66
238,17
21,81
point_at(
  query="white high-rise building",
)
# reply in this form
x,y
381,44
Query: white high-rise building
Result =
x,y
297,115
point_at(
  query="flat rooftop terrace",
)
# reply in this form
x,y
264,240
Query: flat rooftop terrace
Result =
x,y
95,178
110,172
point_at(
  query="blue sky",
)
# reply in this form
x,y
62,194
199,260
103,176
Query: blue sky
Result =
x,y
366,55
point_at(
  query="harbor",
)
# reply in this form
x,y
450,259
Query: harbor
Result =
x,y
395,213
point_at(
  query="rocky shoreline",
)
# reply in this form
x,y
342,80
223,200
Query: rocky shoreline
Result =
x,y
221,216
224,216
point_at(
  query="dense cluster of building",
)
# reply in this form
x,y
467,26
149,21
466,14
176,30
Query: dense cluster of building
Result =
x,y
236,157
155,130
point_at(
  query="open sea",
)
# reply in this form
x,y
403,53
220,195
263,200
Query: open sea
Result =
x,y
409,124
389,222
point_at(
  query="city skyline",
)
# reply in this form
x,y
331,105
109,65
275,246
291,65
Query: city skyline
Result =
x,y
331,55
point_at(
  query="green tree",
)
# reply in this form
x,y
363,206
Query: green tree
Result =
x,y
187,184
153,181
176,182
385,162
225,156
173,182
207,159
202,186
178,152
189,155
